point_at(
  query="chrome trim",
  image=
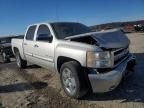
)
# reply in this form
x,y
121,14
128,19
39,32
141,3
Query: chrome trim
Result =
x,y
124,53
112,59
121,61
121,54
29,54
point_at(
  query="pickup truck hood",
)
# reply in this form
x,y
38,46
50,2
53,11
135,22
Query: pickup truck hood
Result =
x,y
106,39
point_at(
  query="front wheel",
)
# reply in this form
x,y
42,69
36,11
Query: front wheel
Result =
x,y
20,62
73,79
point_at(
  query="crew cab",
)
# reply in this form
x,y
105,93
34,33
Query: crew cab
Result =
x,y
84,59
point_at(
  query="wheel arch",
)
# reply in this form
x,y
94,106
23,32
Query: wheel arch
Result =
x,y
15,49
62,59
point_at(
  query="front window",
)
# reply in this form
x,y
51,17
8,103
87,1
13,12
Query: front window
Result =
x,y
43,34
64,30
30,33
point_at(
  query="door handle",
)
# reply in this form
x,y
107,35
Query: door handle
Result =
x,y
25,43
36,45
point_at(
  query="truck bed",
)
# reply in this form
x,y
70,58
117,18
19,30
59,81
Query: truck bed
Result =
x,y
18,43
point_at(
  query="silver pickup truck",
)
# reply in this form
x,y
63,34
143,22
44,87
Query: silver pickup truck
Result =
x,y
84,59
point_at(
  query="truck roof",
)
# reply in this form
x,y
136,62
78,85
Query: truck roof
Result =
x,y
52,22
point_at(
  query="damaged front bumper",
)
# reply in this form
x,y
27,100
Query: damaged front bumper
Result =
x,y
108,81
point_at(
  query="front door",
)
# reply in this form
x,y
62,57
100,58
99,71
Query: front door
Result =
x,y
44,48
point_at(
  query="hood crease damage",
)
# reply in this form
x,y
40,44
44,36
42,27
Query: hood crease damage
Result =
x,y
109,39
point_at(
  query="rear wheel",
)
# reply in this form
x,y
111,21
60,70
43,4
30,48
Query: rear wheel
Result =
x,y
20,62
73,79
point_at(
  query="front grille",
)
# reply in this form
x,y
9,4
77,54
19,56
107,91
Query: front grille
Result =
x,y
120,54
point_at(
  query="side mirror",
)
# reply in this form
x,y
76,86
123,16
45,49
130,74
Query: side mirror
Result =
x,y
50,38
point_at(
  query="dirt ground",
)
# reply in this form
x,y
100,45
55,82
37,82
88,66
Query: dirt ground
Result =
x,y
35,87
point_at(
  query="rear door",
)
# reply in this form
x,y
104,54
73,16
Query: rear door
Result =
x,y
29,43
44,47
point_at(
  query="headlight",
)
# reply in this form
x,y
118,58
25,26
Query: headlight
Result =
x,y
99,59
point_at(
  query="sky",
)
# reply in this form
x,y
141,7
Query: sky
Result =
x,y
16,15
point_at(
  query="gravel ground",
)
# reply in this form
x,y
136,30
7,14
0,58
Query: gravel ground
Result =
x,y
35,87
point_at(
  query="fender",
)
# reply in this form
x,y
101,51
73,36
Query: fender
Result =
x,y
72,52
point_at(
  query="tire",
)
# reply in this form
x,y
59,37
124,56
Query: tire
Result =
x,y
20,62
73,79
4,58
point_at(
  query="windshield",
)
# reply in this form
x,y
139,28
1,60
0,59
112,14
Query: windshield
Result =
x,y
64,30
